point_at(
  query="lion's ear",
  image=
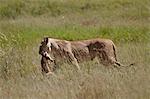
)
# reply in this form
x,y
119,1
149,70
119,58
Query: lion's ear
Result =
x,y
46,40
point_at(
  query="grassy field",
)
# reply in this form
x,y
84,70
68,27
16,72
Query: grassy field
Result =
x,y
24,23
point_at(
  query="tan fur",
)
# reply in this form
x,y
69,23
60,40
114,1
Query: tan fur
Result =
x,y
78,51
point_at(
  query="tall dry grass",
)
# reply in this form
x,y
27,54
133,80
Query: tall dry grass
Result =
x,y
93,82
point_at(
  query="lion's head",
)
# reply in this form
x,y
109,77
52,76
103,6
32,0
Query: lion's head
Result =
x,y
45,49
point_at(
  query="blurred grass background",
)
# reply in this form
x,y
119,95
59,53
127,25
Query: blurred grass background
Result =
x,y
24,23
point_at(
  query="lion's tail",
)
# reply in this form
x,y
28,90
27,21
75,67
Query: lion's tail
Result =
x,y
115,56
114,49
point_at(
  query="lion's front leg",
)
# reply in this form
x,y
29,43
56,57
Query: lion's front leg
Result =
x,y
73,60
45,65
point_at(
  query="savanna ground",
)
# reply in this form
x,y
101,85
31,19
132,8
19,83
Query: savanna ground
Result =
x,y
23,24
